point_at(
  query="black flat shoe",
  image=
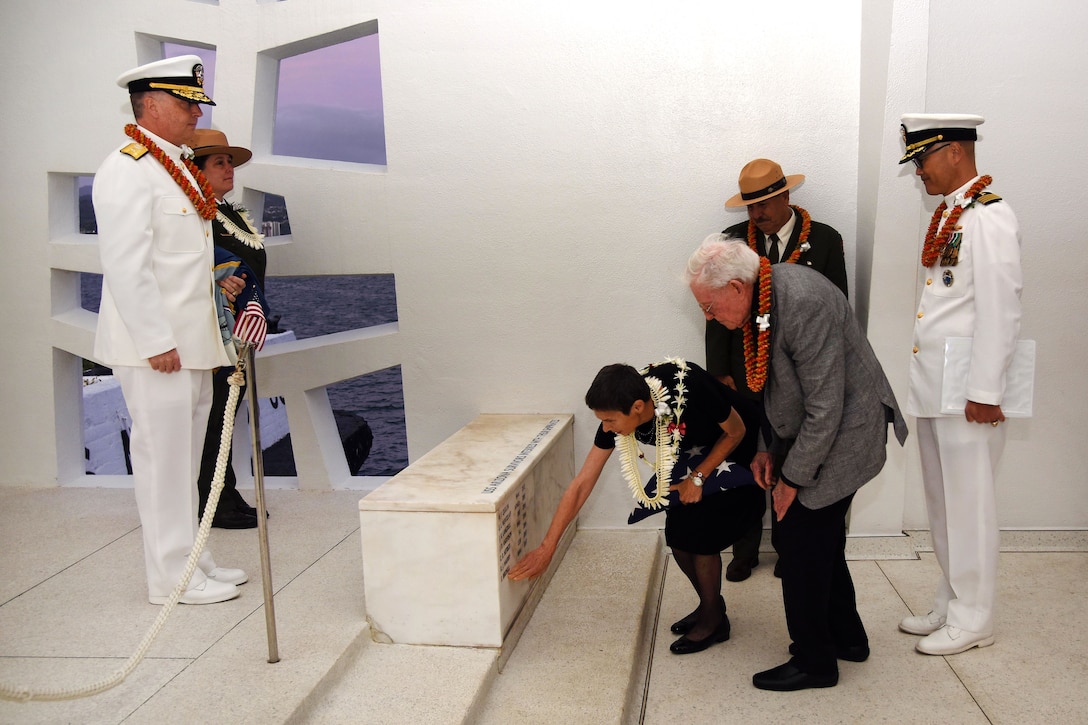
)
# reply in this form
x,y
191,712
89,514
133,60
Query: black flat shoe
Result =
x,y
683,626
787,678
685,646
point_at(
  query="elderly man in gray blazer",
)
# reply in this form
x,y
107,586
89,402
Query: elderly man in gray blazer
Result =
x,y
827,405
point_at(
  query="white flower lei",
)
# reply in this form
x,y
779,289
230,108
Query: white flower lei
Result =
x,y
250,236
667,437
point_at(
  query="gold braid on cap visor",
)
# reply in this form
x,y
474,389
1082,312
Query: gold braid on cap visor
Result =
x,y
189,92
926,142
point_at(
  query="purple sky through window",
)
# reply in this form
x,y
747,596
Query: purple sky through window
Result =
x,y
329,104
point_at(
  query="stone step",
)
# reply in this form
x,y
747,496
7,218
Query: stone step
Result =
x,y
585,642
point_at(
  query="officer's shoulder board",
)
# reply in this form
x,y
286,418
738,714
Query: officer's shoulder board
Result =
x,y
987,198
135,150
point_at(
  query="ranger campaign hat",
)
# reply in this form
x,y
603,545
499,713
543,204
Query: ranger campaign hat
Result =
x,y
761,179
922,131
208,141
182,77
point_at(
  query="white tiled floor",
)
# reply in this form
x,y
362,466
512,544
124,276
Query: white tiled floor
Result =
x,y
73,607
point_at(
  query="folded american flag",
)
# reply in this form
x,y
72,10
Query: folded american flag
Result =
x,y
245,318
250,325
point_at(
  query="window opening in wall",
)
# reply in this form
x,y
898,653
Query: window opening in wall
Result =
x,y
87,222
369,413
207,56
329,104
369,409
274,219
90,290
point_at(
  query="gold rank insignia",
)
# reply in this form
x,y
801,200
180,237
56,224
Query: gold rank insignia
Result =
x,y
135,150
987,198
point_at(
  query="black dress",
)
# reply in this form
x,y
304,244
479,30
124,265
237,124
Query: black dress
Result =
x,y
721,517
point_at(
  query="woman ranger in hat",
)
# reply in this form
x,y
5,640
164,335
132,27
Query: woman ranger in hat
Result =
x,y
233,231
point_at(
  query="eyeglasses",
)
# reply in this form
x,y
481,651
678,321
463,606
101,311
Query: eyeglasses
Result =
x,y
706,308
920,161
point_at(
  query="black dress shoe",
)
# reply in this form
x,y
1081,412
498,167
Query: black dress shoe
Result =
x,y
739,569
233,519
786,678
685,646
778,568
683,626
850,653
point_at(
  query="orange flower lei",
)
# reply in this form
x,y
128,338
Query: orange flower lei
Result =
x,y
204,200
806,227
756,359
934,244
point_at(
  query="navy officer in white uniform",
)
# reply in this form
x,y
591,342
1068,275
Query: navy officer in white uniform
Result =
x,y
972,282
157,325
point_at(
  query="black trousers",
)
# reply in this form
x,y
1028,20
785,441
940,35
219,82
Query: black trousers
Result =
x,y
220,393
817,591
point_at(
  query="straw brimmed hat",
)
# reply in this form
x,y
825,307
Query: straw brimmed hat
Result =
x,y
761,179
208,141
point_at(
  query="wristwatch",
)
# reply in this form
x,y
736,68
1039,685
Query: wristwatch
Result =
x,y
697,479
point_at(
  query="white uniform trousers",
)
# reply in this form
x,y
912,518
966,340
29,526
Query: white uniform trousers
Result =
x,y
959,465
169,418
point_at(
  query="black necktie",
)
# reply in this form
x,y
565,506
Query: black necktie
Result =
x,y
772,248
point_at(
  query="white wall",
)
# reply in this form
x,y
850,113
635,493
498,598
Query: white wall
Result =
x,y
550,167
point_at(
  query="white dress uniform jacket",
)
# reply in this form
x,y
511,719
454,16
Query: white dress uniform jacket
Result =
x,y
979,297
157,259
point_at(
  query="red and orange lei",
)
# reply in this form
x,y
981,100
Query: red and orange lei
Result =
x,y
934,244
806,227
757,354
204,200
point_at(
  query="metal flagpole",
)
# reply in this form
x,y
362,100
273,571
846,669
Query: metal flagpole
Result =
x,y
262,517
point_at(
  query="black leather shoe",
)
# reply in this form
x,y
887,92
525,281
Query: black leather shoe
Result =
x,y
778,568
685,646
786,678
233,519
739,570
850,653
683,626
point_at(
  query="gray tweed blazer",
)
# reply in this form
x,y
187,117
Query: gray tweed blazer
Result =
x,y
827,399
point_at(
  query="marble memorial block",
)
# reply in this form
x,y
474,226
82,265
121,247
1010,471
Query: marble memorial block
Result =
x,y
439,538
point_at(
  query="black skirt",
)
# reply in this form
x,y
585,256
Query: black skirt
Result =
x,y
716,522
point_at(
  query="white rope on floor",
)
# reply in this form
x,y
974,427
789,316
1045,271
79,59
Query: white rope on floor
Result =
x,y
20,693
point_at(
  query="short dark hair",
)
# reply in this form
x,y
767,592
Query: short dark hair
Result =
x,y
201,161
617,387
137,101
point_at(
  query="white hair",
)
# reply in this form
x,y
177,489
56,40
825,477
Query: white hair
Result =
x,y
720,259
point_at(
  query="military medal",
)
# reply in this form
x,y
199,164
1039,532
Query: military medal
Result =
x,y
950,255
947,278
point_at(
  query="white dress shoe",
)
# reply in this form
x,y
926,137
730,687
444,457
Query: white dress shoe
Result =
x,y
228,576
949,640
209,591
923,625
